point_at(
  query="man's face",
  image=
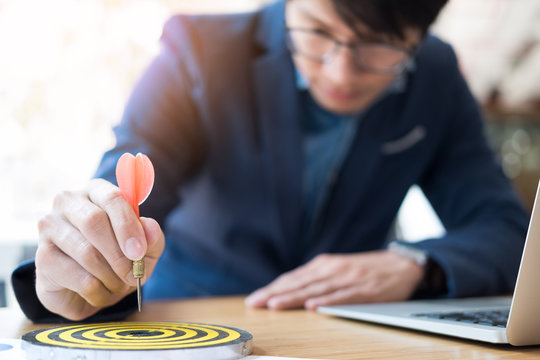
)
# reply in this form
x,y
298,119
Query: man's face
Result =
x,y
339,85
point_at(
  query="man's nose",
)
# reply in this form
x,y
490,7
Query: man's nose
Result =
x,y
341,68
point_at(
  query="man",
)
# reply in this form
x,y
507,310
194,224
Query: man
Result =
x,y
284,142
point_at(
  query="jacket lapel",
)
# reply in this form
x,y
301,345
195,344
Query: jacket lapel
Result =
x,y
277,104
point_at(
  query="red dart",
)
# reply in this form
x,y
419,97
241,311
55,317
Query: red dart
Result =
x,y
135,177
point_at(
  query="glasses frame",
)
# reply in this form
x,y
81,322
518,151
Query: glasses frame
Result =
x,y
337,44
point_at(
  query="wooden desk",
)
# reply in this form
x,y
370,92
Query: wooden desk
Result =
x,y
307,334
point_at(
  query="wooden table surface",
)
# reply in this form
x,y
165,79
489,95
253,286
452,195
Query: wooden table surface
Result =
x,y
305,334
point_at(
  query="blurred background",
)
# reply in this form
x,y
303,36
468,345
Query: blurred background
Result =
x,y
67,68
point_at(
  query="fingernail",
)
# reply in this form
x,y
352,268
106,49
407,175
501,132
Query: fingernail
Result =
x,y
134,249
130,279
254,300
311,304
276,302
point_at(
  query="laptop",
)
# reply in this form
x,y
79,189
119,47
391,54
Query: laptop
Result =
x,y
511,320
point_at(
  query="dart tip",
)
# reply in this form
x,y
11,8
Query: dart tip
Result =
x,y
139,293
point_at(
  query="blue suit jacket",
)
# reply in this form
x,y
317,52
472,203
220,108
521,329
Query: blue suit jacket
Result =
x,y
218,112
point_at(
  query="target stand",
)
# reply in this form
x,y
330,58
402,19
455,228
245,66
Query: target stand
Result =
x,y
137,340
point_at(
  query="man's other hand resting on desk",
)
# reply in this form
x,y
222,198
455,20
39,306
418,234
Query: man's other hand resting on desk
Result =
x,y
376,276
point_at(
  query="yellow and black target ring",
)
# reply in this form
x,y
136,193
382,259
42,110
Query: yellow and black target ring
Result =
x,y
138,336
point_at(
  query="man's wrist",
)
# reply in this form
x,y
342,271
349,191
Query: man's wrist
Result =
x,y
434,280
418,256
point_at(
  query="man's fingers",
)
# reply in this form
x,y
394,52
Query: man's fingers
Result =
x,y
315,271
154,237
70,241
298,297
86,293
282,285
287,293
156,244
125,223
94,226
348,295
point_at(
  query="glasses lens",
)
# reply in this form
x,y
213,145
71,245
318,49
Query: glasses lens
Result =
x,y
380,57
372,57
310,44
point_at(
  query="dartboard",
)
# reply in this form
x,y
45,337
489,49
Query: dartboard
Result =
x,y
130,336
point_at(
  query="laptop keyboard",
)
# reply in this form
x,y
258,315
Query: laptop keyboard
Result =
x,y
497,318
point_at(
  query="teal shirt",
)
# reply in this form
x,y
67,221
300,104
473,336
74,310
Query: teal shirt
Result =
x,y
326,141
327,138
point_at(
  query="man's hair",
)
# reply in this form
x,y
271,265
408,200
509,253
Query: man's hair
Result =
x,y
389,16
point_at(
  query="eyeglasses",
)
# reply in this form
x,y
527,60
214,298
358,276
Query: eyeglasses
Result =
x,y
374,57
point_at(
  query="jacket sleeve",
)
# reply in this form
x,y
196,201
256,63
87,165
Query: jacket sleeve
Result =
x,y
485,221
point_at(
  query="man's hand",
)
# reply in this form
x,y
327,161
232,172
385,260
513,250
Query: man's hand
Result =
x,y
86,247
376,276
